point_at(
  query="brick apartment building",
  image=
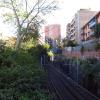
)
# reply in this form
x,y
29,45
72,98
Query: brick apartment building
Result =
x,y
87,33
74,27
53,31
88,28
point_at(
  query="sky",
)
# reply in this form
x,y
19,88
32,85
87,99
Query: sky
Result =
x,y
67,10
65,13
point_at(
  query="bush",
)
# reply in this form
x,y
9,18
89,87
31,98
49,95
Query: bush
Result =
x,y
22,57
91,69
21,78
97,46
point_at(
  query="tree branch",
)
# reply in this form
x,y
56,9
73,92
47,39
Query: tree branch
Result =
x,y
43,3
17,18
5,5
26,5
48,6
29,13
33,17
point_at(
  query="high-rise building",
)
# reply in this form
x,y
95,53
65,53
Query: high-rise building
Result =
x,y
74,27
52,33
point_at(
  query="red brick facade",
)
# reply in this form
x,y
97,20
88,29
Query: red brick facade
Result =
x,y
86,30
53,31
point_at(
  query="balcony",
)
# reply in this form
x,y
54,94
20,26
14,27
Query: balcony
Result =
x,y
89,41
72,37
82,33
92,23
91,33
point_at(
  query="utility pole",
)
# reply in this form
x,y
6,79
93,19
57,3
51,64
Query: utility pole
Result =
x,y
77,67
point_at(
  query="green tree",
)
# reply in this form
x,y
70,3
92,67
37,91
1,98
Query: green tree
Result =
x,y
97,31
58,42
97,46
71,43
24,12
91,70
82,49
97,36
65,41
32,33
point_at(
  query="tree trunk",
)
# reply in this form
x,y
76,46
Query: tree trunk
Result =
x,y
18,42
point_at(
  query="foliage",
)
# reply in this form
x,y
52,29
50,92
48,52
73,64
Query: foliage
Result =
x,y
90,66
25,13
65,42
38,51
91,60
82,49
58,42
28,44
50,53
10,42
87,68
2,46
97,46
21,78
97,69
46,46
32,33
71,43
91,71
97,31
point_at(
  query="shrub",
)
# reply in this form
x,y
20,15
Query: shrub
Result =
x,y
97,46
21,78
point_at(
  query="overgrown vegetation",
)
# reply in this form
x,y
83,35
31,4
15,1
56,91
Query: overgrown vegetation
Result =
x,y
88,72
69,43
91,72
97,31
21,77
97,46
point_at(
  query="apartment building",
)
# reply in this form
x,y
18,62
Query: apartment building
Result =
x,y
70,30
88,28
74,27
52,33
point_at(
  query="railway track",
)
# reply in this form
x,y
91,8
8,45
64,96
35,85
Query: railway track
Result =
x,y
65,88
